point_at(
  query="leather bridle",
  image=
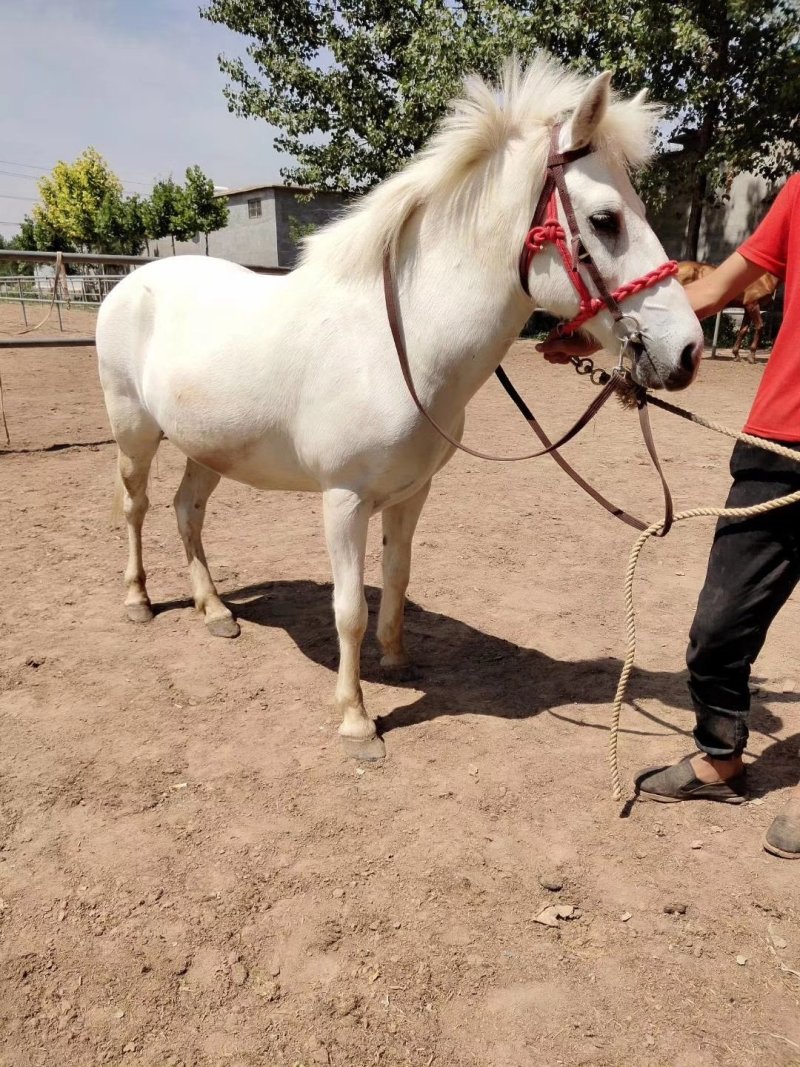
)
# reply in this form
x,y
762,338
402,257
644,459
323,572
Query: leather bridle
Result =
x,y
546,228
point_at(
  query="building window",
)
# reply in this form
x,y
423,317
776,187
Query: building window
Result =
x,y
254,209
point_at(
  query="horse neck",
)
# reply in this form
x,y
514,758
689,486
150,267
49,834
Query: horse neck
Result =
x,y
462,307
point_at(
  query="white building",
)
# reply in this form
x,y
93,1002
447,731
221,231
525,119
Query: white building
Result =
x,y
264,226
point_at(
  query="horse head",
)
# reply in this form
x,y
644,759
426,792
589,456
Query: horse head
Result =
x,y
608,245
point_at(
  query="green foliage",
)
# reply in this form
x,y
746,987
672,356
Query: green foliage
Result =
x,y
17,242
298,231
182,212
26,238
356,86
82,209
204,210
120,225
75,199
185,224
159,211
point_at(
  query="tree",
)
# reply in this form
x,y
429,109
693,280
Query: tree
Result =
x,y
356,86
24,241
160,210
201,210
26,238
120,225
181,212
75,198
729,73
13,267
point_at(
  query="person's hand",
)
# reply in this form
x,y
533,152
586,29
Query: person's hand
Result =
x,y
557,349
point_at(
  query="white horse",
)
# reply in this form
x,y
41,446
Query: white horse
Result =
x,y
293,383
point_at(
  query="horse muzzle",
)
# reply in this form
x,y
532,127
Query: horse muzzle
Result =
x,y
651,372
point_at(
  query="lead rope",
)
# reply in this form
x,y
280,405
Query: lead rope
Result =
x,y
59,283
652,531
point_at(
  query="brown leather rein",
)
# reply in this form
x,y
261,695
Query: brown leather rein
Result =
x,y
541,230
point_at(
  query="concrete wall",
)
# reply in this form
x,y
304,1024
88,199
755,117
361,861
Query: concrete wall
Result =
x,y
724,226
263,241
292,214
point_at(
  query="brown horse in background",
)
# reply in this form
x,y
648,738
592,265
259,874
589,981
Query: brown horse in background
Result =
x,y
752,299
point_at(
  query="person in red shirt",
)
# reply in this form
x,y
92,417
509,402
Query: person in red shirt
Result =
x,y
754,564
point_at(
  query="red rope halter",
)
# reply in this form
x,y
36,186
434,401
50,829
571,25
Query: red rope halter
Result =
x,y
545,229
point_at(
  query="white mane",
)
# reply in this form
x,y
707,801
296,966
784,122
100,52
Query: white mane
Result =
x,y
477,127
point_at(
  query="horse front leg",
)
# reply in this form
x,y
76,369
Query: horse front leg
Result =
x,y
740,336
399,524
346,518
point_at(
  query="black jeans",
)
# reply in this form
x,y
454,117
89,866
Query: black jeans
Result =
x,y
753,567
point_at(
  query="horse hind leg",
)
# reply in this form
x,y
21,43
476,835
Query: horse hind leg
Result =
x,y
137,444
758,326
196,487
740,336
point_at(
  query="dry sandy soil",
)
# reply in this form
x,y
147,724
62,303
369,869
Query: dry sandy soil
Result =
x,y
192,874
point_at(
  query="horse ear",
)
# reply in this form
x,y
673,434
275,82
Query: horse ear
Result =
x,y
590,111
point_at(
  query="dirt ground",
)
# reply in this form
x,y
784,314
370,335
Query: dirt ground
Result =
x,y
192,874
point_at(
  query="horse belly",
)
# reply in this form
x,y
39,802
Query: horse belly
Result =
x,y
261,464
219,426
259,457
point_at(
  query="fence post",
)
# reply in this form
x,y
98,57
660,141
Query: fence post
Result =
x,y
22,302
717,321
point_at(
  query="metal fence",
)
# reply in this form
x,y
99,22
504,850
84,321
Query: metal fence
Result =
x,y
82,290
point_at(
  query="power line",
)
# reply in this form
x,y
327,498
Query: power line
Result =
x,y
27,166
46,170
28,199
18,174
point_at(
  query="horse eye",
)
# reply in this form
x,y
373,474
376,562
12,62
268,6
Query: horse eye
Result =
x,y
605,223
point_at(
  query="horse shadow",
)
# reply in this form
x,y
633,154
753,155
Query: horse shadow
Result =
x,y
462,670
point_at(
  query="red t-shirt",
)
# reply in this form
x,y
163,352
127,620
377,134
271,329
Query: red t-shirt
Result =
x,y
775,246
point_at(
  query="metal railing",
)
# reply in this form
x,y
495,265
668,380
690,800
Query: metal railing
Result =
x,y
84,290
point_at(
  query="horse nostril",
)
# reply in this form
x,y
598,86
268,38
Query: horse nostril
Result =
x,y
688,358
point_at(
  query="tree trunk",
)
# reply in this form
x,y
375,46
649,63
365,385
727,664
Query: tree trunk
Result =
x,y
695,215
172,238
206,244
719,72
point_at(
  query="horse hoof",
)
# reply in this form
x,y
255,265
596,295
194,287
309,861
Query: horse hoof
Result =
x,y
371,749
399,672
139,612
224,627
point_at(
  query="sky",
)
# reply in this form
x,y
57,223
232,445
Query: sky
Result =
x,y
137,79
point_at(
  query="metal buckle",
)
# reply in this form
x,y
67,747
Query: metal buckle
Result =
x,y
627,336
625,333
581,252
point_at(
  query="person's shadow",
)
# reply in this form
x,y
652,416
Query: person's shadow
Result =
x,y
462,670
